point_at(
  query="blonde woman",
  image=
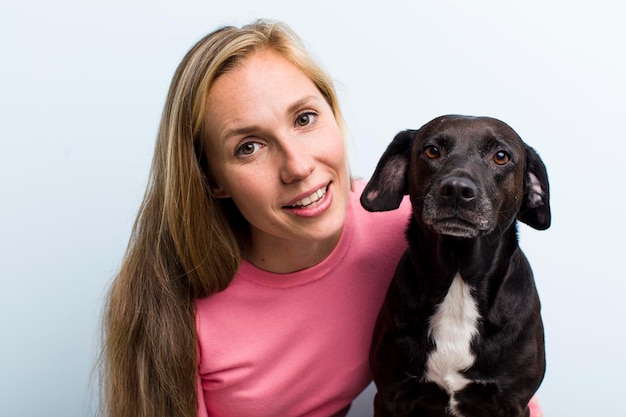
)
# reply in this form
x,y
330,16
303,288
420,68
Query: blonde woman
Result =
x,y
253,277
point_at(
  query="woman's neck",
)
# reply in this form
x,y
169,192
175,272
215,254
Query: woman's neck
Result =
x,y
283,257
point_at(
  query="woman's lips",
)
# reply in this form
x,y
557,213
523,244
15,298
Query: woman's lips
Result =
x,y
313,204
312,198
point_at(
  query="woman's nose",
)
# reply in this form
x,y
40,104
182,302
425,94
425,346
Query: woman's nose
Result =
x,y
297,162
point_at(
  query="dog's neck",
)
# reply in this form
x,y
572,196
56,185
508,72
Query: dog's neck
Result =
x,y
442,257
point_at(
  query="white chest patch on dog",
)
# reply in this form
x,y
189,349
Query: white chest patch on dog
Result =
x,y
452,328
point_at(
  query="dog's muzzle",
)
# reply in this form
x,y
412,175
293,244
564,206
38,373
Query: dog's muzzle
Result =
x,y
457,207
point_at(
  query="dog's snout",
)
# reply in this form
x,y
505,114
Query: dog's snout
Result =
x,y
458,190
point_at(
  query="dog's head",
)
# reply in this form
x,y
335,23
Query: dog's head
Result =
x,y
466,177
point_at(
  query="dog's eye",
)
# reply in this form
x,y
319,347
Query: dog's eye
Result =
x,y
432,152
501,158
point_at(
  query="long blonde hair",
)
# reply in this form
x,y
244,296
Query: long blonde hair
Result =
x,y
185,243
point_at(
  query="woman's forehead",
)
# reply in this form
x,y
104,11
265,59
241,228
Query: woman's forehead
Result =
x,y
265,85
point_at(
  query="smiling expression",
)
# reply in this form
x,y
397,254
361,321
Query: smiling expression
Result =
x,y
275,148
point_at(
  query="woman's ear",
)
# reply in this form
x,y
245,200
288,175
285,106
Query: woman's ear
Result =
x,y
217,191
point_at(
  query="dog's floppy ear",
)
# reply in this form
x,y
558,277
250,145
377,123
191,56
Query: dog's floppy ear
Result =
x,y
535,210
388,185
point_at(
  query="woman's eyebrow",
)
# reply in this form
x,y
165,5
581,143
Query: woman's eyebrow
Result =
x,y
292,108
295,106
242,131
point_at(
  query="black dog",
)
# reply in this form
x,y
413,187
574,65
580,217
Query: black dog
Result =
x,y
460,331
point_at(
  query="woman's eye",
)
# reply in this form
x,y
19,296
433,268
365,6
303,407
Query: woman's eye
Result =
x,y
305,119
432,152
247,148
501,158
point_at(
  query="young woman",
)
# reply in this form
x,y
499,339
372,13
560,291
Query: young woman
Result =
x,y
253,277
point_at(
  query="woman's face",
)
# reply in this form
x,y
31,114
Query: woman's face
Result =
x,y
275,148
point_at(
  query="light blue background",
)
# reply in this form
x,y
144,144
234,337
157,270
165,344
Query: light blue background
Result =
x,y
82,84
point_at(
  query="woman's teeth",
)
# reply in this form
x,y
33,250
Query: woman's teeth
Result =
x,y
313,198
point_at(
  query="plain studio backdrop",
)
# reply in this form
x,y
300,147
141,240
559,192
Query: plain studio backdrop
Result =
x,y
82,85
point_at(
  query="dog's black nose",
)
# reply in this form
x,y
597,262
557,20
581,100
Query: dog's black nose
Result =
x,y
458,190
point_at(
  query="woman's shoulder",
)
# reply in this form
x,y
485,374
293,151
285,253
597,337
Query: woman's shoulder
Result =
x,y
379,238
379,232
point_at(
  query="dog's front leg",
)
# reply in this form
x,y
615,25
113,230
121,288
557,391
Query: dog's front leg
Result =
x,y
490,399
398,357
413,399
388,362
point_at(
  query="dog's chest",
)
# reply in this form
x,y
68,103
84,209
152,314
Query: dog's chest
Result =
x,y
452,328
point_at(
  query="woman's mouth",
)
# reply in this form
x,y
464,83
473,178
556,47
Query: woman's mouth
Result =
x,y
312,199
312,205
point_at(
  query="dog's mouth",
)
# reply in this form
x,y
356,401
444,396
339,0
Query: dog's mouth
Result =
x,y
460,222
455,227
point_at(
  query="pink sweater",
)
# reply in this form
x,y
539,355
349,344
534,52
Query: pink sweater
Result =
x,y
283,345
